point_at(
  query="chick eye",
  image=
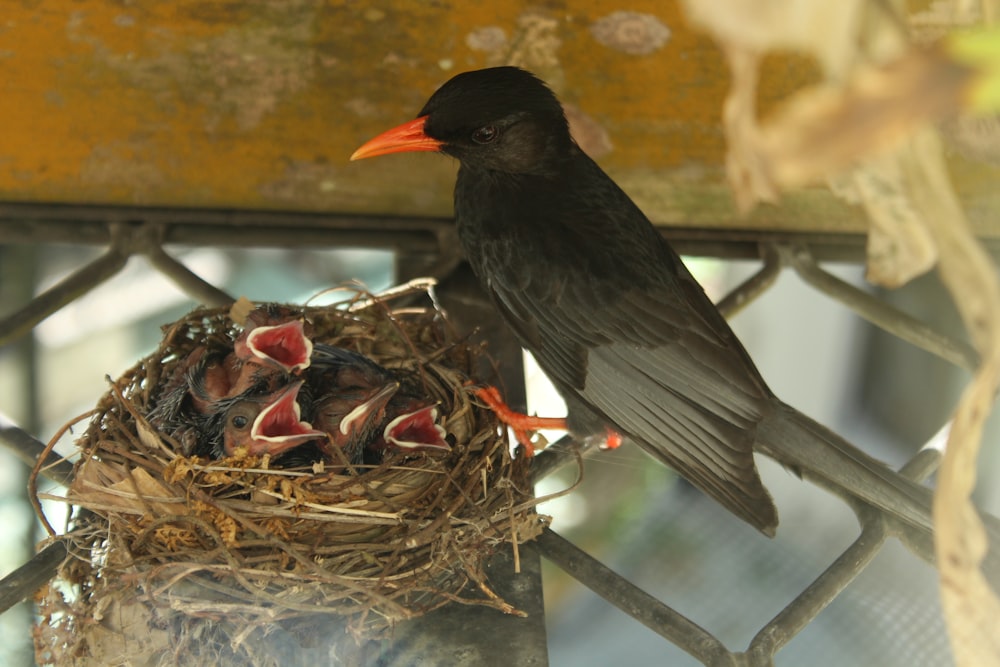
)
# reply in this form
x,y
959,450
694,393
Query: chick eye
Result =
x,y
240,421
485,135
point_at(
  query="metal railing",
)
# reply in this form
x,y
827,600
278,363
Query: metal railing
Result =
x,y
427,246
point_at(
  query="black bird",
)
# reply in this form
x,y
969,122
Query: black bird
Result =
x,y
609,310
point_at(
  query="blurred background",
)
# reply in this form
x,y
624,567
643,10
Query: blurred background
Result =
x,y
207,121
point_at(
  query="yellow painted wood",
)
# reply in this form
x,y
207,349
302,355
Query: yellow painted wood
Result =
x,y
259,104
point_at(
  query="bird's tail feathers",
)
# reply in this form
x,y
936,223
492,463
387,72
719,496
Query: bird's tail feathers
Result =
x,y
819,454
745,497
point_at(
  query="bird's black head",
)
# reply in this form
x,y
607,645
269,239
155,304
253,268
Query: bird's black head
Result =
x,y
501,118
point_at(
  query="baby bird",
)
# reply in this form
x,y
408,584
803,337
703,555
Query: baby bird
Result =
x,y
364,408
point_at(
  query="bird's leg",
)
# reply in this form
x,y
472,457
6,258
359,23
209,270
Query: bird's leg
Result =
x,y
518,422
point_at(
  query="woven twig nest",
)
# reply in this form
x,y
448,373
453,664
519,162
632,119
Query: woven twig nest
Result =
x,y
245,544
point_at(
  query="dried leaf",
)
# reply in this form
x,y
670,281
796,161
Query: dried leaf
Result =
x,y
824,130
975,137
129,631
148,435
899,245
134,491
972,611
746,168
744,30
157,496
825,29
240,310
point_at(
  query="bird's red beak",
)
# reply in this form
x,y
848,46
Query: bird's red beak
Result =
x,y
285,345
417,430
408,137
279,427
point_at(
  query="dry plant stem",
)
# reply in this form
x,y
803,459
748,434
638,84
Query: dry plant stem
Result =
x,y
33,477
972,611
745,170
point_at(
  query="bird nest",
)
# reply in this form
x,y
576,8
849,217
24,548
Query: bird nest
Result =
x,y
241,542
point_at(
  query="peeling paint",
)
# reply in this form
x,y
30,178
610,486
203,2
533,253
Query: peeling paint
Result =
x,y
631,32
55,99
242,73
535,44
361,107
123,166
943,16
489,39
303,182
259,104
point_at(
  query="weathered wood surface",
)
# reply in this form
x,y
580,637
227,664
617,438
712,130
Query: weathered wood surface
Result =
x,y
259,104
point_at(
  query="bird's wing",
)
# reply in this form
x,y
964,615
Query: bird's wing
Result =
x,y
619,324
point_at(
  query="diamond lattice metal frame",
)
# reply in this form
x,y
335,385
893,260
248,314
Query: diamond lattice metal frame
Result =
x,y
429,247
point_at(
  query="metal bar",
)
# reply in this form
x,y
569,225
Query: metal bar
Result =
x,y
53,223
632,600
22,213
288,235
744,294
25,580
37,222
825,588
28,449
70,288
192,284
459,634
820,593
22,222
557,456
879,313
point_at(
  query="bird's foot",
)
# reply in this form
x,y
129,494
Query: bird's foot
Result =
x,y
521,424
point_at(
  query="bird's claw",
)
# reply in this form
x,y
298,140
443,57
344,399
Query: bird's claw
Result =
x,y
520,424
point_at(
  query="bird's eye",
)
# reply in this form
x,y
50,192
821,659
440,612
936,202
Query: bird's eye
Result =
x,y
240,421
485,135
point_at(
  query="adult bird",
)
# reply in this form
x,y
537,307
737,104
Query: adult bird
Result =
x,y
609,310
